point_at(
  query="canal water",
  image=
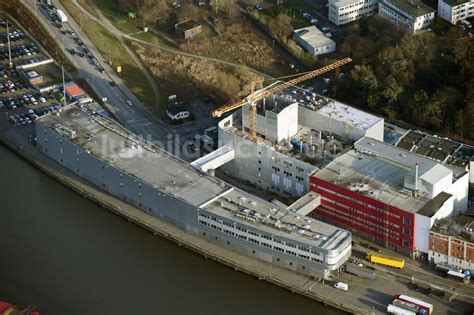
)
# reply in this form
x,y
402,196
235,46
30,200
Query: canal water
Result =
x,y
66,255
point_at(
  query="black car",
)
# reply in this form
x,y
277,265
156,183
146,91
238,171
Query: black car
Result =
x,y
72,51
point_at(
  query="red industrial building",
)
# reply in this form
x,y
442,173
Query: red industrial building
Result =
x,y
380,222
387,194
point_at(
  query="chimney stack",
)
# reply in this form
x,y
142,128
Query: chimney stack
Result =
x,y
415,192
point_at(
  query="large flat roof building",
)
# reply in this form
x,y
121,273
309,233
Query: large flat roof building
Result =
x,y
412,15
389,193
147,177
314,41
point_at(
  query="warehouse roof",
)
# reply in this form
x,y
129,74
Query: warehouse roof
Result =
x,y
378,170
73,90
110,142
434,204
349,115
313,36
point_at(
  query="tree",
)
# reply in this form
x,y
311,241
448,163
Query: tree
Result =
x,y
392,89
188,11
155,12
228,8
128,5
281,26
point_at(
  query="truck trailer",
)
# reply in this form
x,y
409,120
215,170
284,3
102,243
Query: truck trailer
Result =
x,y
422,304
61,16
395,310
385,260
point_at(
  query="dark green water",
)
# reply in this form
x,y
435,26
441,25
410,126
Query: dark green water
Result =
x,y
66,255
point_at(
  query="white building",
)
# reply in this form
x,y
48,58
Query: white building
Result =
x,y
346,11
454,11
412,15
298,132
314,41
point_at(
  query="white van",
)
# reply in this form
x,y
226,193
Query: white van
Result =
x,y
341,286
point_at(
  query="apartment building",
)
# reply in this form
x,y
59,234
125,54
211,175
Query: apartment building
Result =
x,y
455,11
346,11
412,15
452,242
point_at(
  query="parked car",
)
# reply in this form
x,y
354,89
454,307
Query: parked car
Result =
x,y
341,286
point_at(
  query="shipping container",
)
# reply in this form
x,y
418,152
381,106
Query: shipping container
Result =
x,y
385,260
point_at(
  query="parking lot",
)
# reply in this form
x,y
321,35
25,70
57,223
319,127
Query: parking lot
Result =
x,y
19,99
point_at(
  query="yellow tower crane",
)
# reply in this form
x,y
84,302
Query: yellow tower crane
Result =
x,y
261,94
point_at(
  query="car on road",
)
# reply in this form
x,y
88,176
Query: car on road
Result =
x,y
325,29
129,102
325,92
259,7
328,34
112,83
72,51
101,70
326,80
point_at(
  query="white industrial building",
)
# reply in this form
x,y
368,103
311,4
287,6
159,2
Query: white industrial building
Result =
x,y
412,15
147,177
314,41
346,11
298,132
455,11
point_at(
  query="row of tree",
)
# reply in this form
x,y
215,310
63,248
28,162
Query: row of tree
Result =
x,y
156,12
426,79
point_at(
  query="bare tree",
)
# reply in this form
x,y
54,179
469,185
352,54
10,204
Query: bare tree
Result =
x,y
228,8
155,12
188,11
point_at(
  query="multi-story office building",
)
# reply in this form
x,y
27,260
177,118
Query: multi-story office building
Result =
x,y
147,177
455,11
412,15
389,195
346,11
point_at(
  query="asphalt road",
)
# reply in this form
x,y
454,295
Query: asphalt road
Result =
x,y
135,117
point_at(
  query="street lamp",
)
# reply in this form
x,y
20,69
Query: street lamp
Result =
x,y
9,48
